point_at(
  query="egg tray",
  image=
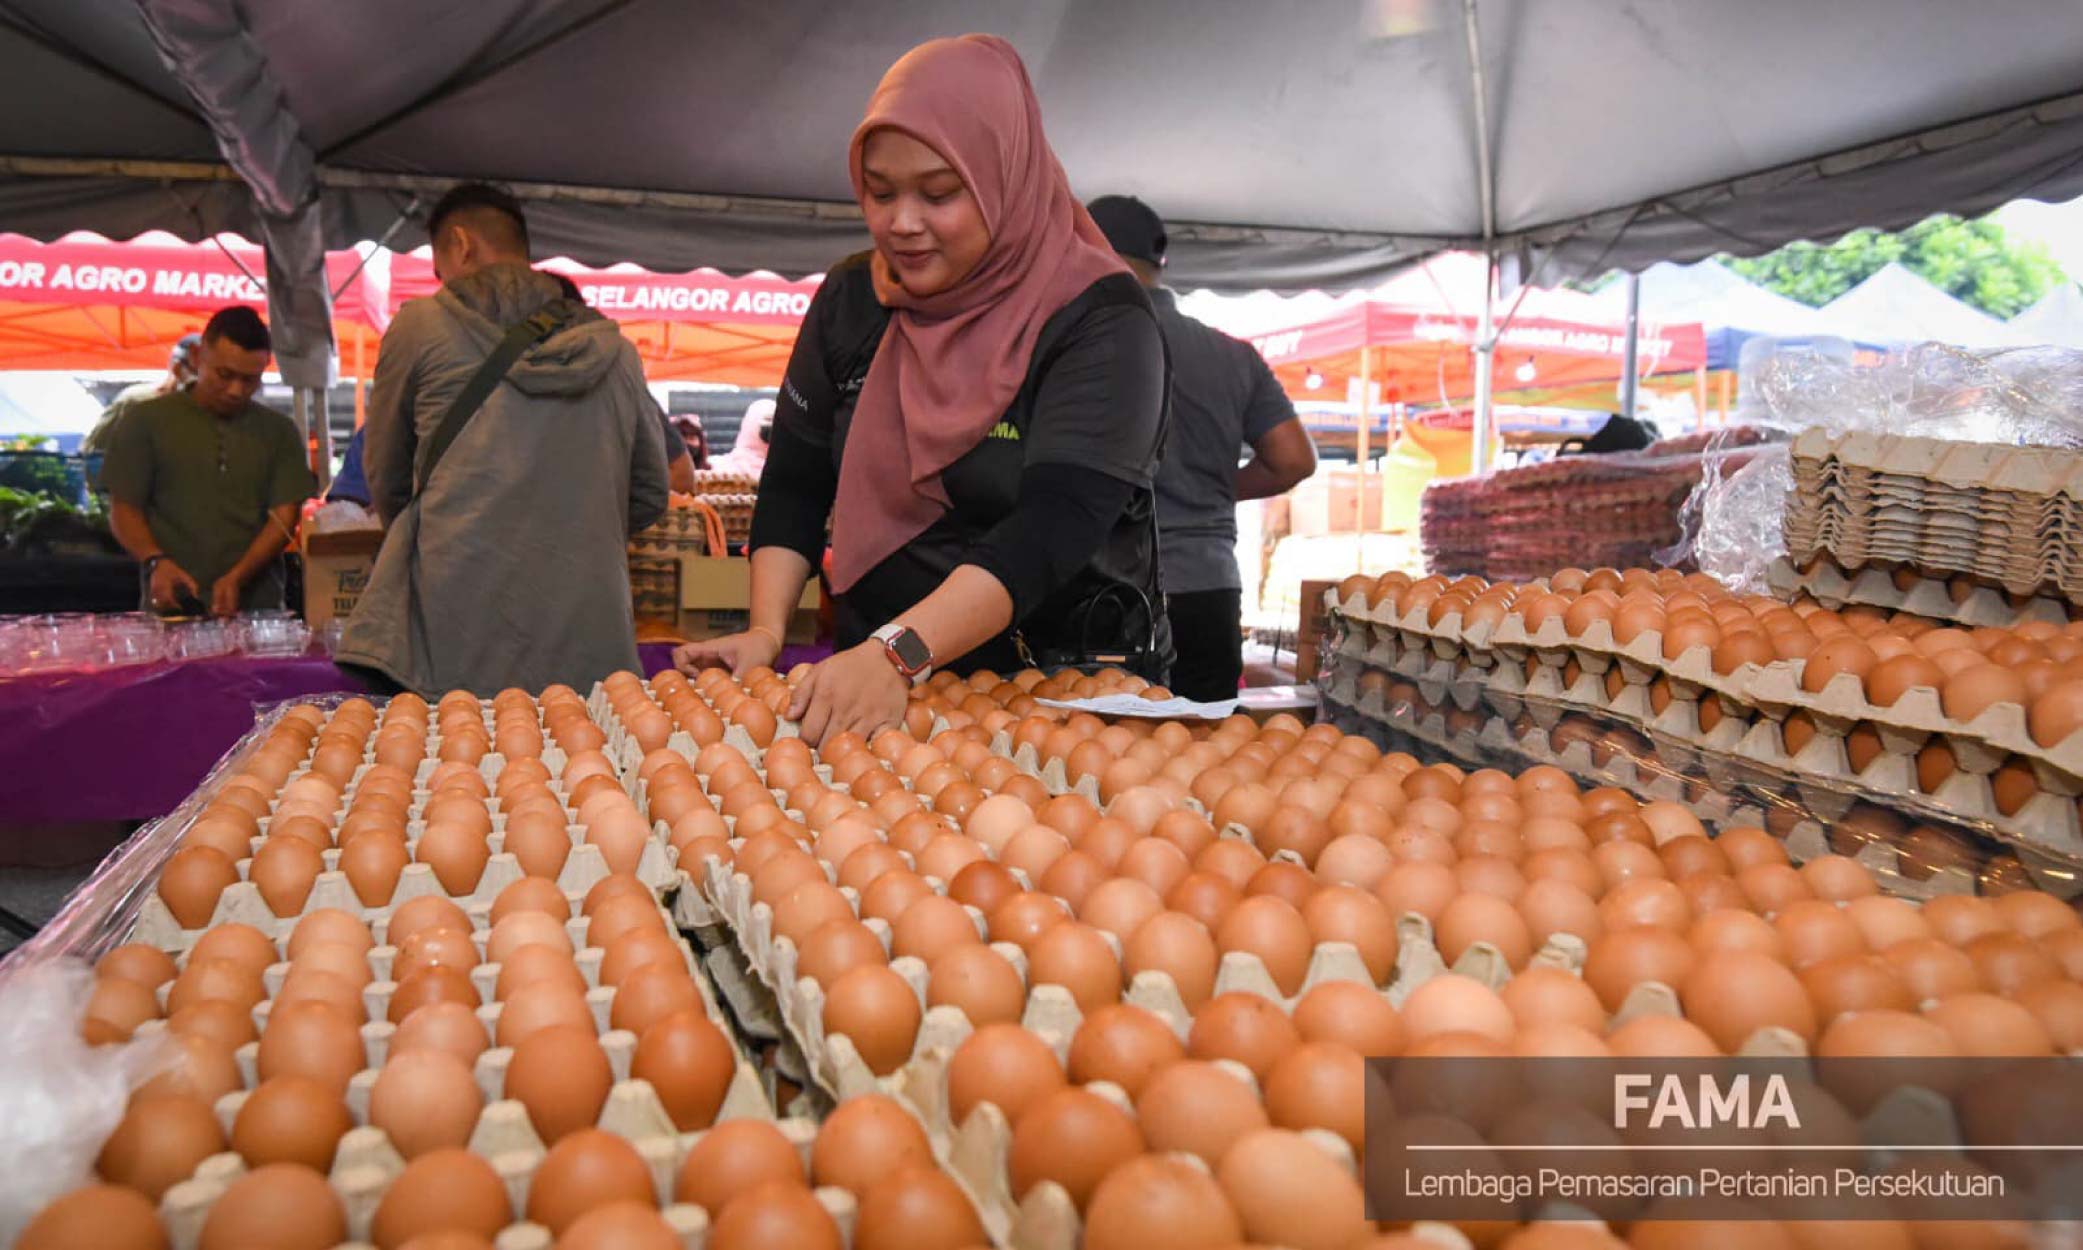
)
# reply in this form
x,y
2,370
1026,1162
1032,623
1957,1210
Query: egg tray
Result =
x,y
975,1153
1806,839
600,999
504,1133
1753,696
619,744
241,902
1498,739
104,910
2001,511
1751,751
1876,587
366,1164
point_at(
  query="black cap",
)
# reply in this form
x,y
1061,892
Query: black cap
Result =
x,y
1132,227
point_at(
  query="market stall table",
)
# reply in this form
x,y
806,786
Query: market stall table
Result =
x,y
129,743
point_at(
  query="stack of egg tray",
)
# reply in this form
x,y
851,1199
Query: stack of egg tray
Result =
x,y
1724,734
2006,516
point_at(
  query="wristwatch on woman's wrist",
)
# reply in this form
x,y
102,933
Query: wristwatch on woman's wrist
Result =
x,y
907,652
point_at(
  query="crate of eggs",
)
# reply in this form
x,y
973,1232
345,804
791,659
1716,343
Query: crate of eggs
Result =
x,y
1972,725
845,921
1909,859
1958,599
339,812
2002,514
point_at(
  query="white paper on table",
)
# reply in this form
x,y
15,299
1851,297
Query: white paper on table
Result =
x,y
1136,705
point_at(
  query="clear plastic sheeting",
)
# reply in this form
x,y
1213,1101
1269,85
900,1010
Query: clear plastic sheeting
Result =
x,y
2030,396
59,1097
100,913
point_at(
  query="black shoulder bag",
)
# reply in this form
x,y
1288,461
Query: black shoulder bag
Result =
x,y
518,338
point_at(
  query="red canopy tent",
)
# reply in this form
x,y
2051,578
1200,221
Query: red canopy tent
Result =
x,y
698,326
86,302
1416,337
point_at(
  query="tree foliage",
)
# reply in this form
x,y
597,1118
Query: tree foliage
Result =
x,y
1973,261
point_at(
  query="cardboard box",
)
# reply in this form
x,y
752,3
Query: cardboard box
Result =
x,y
1316,614
716,599
336,569
1332,501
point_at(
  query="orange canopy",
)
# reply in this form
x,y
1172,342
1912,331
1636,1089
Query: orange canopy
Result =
x,y
700,326
86,302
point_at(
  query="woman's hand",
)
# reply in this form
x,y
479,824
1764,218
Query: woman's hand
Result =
x,y
857,689
740,653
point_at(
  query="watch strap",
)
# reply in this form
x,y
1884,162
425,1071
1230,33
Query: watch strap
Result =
x,y
896,640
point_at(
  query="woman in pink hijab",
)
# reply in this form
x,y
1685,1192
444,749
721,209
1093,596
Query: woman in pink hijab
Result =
x,y
975,406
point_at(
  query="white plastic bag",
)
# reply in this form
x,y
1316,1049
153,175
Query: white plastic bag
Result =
x,y
59,1097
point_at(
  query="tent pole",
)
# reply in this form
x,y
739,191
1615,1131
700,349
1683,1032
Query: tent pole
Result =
x,y
1485,346
1485,354
1366,414
361,376
1630,356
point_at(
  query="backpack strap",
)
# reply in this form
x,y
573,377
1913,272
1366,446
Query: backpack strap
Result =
x,y
518,338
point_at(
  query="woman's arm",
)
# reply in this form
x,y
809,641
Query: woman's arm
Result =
x,y
861,691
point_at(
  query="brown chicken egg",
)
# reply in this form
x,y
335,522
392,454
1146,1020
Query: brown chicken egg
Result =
x,y
1004,1065
290,1119
732,1158
587,1168
876,1010
314,1039
865,1140
158,1143
1074,1138
284,1206
1287,1191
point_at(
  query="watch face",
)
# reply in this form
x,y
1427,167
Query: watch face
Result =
x,y
911,649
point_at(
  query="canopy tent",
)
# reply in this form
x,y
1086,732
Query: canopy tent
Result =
x,y
1731,310
2057,318
1565,136
89,303
1414,336
1605,135
1894,305
701,326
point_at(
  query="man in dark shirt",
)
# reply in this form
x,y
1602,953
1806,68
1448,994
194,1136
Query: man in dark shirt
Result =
x,y
205,484
1223,399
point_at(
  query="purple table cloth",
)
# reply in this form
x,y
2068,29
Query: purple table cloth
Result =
x,y
131,743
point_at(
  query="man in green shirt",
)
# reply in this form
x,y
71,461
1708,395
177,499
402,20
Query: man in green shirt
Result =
x,y
204,484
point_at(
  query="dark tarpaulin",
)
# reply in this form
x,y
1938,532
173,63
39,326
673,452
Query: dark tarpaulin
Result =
x,y
1294,143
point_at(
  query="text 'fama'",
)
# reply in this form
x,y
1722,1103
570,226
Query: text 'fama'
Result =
x,y
1705,1104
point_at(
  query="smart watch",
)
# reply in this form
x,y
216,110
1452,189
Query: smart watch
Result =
x,y
907,652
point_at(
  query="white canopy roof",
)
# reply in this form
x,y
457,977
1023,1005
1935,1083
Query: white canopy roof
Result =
x,y
2056,319
1897,306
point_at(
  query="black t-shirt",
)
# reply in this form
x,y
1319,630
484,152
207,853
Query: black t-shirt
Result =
x,y
1086,427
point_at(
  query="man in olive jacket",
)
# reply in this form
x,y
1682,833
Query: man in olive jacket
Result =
x,y
509,568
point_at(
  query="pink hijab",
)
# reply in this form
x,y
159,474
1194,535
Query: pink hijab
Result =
x,y
951,363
